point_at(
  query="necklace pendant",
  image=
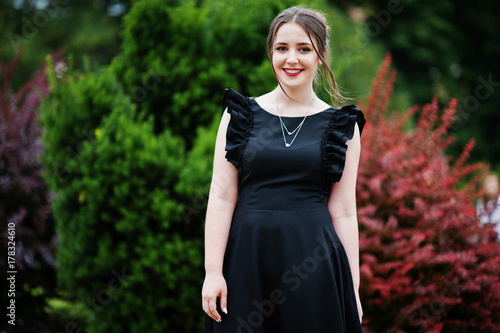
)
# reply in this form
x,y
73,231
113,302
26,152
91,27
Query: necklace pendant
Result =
x,y
284,128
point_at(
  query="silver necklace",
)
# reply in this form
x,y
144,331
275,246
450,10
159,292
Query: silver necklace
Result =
x,y
283,126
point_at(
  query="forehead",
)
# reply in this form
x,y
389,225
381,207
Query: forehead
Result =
x,y
291,32
491,179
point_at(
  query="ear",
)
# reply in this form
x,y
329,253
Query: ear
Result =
x,y
320,62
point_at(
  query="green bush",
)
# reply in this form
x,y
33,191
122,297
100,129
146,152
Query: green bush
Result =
x,y
75,107
119,217
195,177
116,209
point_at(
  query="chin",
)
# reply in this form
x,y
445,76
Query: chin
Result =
x,y
285,82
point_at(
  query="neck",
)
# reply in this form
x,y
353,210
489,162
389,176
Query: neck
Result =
x,y
491,197
295,96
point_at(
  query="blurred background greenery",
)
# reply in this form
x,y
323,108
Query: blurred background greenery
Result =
x,y
150,75
447,49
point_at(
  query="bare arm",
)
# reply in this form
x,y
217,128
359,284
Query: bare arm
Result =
x,y
342,207
221,203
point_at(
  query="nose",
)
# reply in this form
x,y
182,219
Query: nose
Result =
x,y
292,58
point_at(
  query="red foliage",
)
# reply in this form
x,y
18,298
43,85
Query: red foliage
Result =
x,y
24,197
426,264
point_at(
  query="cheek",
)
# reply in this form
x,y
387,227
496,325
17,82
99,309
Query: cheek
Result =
x,y
278,60
314,63
317,60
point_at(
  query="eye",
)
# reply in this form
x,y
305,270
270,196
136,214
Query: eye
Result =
x,y
305,49
281,48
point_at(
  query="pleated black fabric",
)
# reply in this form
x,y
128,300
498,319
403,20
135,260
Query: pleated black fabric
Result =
x,y
285,267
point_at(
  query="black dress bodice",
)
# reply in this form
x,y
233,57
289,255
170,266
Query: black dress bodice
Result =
x,y
289,178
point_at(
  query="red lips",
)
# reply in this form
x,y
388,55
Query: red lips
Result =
x,y
292,71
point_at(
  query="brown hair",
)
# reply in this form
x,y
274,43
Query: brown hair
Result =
x,y
314,24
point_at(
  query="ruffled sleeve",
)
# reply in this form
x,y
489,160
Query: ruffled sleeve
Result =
x,y
333,146
240,125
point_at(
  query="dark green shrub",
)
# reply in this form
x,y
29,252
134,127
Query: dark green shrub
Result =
x,y
192,52
76,106
195,177
119,217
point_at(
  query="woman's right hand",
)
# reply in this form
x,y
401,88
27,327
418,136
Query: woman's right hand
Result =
x,y
213,287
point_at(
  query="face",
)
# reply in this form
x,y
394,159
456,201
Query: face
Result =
x,y
294,59
491,186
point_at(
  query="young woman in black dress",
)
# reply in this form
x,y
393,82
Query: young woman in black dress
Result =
x,y
281,234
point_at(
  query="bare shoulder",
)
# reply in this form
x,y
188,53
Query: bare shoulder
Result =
x,y
267,96
321,105
266,101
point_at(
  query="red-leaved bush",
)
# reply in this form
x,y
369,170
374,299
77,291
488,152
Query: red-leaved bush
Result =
x,y
25,200
426,263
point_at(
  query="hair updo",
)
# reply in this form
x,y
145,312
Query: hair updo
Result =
x,y
314,24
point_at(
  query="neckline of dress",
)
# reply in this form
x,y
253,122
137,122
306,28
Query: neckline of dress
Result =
x,y
275,115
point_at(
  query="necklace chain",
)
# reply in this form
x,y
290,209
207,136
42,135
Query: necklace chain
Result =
x,y
283,126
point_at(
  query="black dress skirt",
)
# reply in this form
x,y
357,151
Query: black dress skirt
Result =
x,y
285,267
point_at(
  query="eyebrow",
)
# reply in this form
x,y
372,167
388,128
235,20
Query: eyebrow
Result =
x,y
283,43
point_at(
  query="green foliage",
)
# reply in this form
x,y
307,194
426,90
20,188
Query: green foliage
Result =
x,y
448,49
75,107
129,151
122,211
354,56
116,208
125,201
42,28
63,313
195,176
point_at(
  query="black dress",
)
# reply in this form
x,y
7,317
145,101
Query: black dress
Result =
x,y
285,267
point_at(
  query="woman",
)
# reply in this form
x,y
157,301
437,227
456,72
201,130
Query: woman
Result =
x,y
281,234
488,207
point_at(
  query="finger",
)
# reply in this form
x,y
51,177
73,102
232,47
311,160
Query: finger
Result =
x,y
213,310
205,306
223,300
